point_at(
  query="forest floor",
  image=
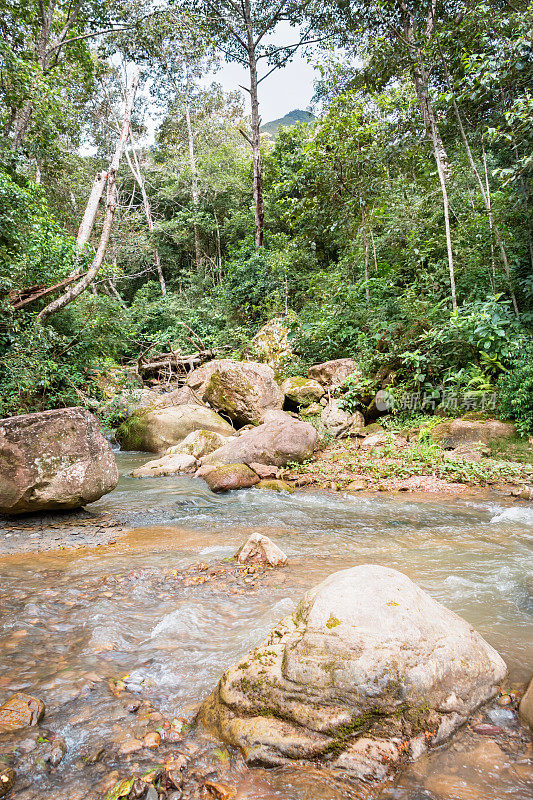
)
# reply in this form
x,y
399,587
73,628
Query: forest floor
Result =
x,y
402,465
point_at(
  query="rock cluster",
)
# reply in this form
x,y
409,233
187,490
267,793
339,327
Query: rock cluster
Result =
x,y
368,671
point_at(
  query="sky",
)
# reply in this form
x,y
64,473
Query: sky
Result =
x,y
288,88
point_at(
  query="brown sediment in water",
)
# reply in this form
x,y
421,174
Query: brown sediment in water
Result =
x,y
101,629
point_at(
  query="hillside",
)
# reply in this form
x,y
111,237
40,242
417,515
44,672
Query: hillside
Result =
x,y
292,118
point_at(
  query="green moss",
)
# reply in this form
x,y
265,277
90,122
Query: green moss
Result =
x,y
332,622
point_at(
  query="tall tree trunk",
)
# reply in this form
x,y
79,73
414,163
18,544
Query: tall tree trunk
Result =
x,y
135,169
255,122
421,84
365,240
487,189
194,185
111,203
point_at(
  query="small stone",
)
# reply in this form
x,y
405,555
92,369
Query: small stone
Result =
x,y
275,486
356,486
7,779
486,729
260,549
312,410
219,790
130,746
265,471
152,739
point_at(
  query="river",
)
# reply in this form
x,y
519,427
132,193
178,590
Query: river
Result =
x,y
73,619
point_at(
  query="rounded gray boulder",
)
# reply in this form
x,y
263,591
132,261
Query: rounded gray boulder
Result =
x,y
368,670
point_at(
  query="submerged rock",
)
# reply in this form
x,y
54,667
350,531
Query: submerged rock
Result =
x,y
156,431
21,710
243,390
53,460
167,465
302,391
333,373
368,670
276,443
468,432
259,549
230,476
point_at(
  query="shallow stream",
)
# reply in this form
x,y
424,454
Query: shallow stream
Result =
x,y
70,620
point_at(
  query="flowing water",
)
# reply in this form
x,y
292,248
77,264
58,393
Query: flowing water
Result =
x,y
71,620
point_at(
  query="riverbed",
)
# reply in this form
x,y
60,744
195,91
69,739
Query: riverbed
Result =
x,y
75,621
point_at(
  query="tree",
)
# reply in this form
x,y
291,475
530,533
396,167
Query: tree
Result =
x,y
44,55
241,30
74,291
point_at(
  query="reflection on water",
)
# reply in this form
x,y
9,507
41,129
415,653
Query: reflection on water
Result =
x,y
72,619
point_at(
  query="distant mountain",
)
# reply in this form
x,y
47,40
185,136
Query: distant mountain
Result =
x,y
292,118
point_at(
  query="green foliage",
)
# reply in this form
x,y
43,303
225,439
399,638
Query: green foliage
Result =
x,y
516,388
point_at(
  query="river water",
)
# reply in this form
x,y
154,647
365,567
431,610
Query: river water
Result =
x,y
71,620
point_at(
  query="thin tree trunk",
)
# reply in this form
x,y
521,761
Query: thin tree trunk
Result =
x,y
421,84
194,185
91,209
484,194
219,249
135,169
487,189
259,211
111,202
365,239
374,250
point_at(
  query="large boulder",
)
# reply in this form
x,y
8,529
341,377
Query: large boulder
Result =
x,y
466,432
333,373
367,671
276,443
302,391
270,345
158,429
243,390
53,460
339,422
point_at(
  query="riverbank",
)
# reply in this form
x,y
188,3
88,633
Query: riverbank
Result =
x,y
404,462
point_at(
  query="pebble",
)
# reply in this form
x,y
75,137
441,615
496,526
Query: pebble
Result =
x,y
486,729
130,746
152,739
